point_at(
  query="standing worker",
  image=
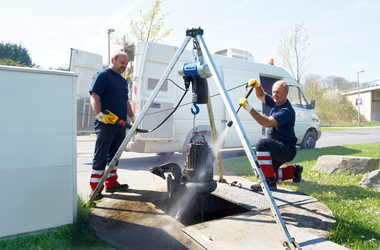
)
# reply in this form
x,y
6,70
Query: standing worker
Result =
x,y
280,145
109,91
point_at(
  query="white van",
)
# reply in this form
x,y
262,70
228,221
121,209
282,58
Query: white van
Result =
x,y
236,53
148,61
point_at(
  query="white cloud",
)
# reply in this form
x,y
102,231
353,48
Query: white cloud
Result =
x,y
115,21
55,52
83,22
53,33
357,66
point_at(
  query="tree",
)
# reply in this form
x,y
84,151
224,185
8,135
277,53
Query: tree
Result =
x,y
149,28
312,87
292,49
16,53
10,62
339,83
330,105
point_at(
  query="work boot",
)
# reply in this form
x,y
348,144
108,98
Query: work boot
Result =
x,y
298,168
271,181
97,197
117,188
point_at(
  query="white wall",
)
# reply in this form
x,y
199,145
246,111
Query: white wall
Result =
x,y
365,108
38,149
376,106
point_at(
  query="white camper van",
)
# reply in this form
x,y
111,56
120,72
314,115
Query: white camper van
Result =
x,y
148,61
236,53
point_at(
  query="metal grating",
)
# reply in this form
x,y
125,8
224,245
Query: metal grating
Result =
x,y
246,198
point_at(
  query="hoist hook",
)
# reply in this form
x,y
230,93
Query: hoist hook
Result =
x,y
196,109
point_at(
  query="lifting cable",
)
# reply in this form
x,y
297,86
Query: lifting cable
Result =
x,y
178,105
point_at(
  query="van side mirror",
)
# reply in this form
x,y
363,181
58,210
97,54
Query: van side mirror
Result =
x,y
312,104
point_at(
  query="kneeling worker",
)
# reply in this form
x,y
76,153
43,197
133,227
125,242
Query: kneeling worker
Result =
x,y
280,146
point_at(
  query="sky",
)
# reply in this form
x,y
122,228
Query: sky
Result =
x,y
344,34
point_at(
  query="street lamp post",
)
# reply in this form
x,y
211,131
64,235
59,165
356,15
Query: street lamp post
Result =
x,y
109,56
358,102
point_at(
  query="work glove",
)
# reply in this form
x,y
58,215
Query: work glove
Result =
x,y
254,83
107,117
243,102
133,119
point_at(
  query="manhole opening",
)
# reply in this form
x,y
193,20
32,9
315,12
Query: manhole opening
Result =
x,y
213,208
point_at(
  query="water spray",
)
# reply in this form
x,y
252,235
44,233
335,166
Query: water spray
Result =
x,y
192,185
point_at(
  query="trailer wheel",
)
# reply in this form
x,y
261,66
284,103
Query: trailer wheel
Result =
x,y
308,141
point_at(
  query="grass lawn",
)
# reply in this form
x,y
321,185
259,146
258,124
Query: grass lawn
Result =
x,y
75,236
356,210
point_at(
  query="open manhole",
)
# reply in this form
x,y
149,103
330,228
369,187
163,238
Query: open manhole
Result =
x,y
199,209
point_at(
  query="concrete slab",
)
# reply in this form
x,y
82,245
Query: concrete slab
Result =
x,y
253,230
131,220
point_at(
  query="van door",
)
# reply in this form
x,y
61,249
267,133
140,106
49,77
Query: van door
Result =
x,y
235,82
151,61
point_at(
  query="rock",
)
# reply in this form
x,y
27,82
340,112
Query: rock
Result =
x,y
345,164
371,180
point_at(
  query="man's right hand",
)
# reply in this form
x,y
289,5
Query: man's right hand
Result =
x,y
107,117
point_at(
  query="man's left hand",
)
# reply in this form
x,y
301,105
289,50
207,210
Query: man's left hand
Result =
x,y
244,102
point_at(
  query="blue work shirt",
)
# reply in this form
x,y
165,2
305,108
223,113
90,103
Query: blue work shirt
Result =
x,y
285,118
112,89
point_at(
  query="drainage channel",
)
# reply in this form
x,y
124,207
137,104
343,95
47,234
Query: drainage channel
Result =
x,y
198,210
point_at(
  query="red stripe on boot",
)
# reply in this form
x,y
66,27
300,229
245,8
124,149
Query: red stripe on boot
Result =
x,y
95,178
268,158
287,172
111,180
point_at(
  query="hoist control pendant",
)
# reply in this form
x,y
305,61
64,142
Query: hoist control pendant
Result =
x,y
200,90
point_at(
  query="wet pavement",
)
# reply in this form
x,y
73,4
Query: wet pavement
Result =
x,y
137,218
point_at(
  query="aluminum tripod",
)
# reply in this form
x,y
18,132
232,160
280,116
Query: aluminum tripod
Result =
x,y
197,34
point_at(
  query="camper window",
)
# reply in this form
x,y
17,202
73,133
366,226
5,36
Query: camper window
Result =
x,y
152,83
222,52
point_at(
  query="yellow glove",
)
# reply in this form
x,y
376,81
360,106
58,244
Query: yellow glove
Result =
x,y
133,119
243,102
107,117
253,83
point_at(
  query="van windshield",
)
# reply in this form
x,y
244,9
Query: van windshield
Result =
x,y
296,97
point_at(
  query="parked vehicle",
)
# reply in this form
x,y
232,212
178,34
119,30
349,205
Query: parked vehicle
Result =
x,y
148,61
85,64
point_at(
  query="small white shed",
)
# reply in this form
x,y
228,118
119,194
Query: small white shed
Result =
x,y
37,149
370,96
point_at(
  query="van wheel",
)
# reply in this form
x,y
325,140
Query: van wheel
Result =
x,y
308,141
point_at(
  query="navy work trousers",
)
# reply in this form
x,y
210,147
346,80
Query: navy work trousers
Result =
x,y
279,151
109,137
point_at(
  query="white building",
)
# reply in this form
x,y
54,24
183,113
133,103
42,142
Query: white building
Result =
x,y
370,97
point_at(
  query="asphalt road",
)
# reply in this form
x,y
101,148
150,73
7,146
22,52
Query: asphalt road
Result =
x,y
350,136
134,167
